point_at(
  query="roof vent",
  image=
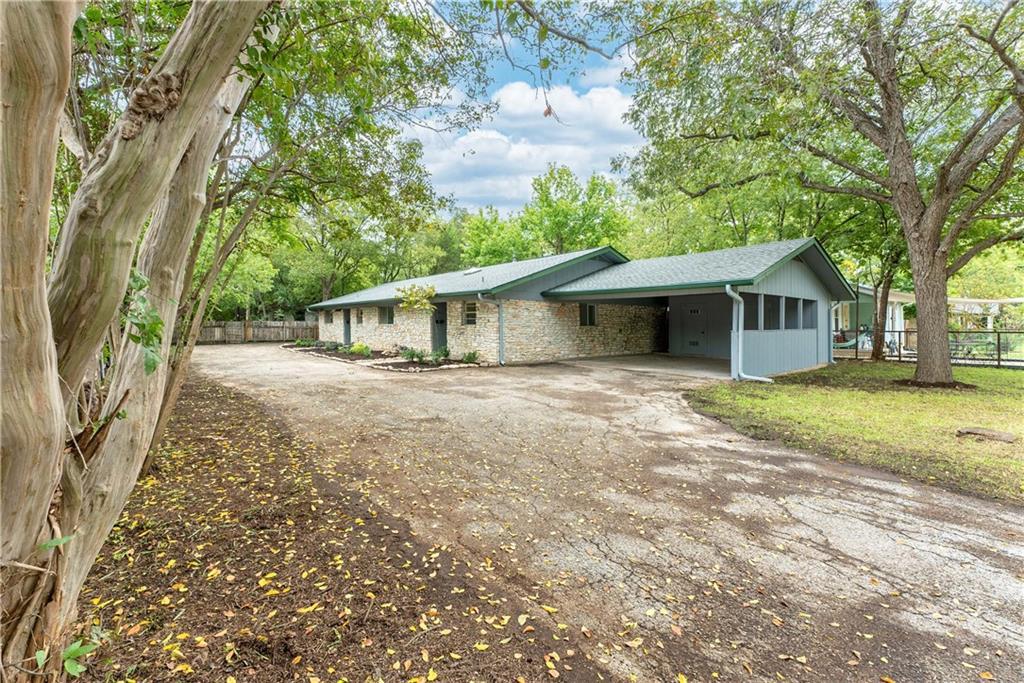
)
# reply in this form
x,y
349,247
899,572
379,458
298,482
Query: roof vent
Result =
x,y
471,271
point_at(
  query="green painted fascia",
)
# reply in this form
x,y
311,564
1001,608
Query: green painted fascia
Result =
x,y
657,288
554,269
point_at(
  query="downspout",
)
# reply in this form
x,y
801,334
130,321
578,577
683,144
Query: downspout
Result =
x,y
501,327
738,317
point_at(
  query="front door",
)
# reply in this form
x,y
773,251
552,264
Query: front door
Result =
x,y
695,331
439,336
348,325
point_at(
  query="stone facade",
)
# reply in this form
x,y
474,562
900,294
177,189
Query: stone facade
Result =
x,y
411,328
538,331
481,337
535,331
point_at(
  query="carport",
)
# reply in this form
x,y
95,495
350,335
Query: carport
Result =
x,y
763,308
661,364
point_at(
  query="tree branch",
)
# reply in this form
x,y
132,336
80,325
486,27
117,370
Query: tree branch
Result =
x,y
981,246
725,184
846,189
967,215
838,161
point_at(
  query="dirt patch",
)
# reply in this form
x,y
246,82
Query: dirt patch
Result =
x,y
952,386
249,555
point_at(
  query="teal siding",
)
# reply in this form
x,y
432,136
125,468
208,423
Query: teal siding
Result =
x,y
718,308
531,290
770,352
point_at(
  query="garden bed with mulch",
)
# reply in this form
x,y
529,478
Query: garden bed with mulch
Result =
x,y
339,354
249,555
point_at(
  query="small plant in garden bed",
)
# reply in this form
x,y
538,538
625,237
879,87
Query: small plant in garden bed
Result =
x,y
414,355
471,357
361,349
305,343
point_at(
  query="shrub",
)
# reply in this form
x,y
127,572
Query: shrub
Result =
x,y
438,356
361,349
414,355
331,346
443,352
471,357
319,344
304,343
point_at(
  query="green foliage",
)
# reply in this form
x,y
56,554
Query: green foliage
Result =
x,y
142,322
471,357
414,355
996,274
439,355
416,297
565,216
361,349
71,655
305,343
55,542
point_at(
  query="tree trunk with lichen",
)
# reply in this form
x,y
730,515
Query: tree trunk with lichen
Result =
x,y
56,483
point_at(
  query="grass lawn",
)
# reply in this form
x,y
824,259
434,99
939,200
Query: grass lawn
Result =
x,y
854,411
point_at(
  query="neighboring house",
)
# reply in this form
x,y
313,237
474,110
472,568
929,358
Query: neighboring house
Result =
x,y
964,313
597,302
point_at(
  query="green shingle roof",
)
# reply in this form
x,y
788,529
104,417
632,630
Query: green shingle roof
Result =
x,y
472,281
737,266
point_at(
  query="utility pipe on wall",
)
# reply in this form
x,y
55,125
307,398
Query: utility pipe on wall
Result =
x,y
737,312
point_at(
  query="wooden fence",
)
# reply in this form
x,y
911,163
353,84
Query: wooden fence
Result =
x,y
240,332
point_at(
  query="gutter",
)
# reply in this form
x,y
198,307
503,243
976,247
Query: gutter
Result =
x,y
737,314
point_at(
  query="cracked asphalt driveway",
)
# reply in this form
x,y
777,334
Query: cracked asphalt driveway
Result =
x,y
671,543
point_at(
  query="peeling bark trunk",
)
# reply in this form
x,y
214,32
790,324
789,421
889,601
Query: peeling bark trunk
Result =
x,y
161,259
50,337
35,57
130,168
195,310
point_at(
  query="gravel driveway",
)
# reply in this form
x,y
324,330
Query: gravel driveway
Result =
x,y
672,543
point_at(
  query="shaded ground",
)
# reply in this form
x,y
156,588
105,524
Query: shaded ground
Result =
x,y
679,545
870,413
246,558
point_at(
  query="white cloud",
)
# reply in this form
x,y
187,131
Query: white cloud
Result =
x,y
608,73
496,163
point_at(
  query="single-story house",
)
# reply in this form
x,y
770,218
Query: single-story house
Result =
x,y
853,320
765,308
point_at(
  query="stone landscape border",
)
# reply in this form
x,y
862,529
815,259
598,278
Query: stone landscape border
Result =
x,y
383,364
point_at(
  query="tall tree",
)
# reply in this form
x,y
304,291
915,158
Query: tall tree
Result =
x,y
52,330
564,215
917,105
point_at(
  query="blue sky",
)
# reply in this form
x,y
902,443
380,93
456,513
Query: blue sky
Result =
x,y
494,163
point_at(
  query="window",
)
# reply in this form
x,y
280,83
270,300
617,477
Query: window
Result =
x,y
588,315
751,304
772,312
810,321
792,313
385,315
469,313
328,317
359,316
